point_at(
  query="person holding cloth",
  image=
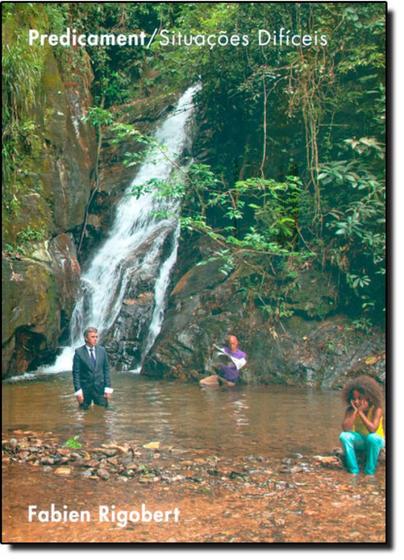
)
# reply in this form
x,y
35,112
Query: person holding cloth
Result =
x,y
91,377
229,373
363,424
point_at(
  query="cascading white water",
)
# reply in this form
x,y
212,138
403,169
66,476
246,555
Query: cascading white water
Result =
x,y
160,292
123,254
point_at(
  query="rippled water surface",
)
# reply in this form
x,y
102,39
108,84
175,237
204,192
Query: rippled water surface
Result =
x,y
266,420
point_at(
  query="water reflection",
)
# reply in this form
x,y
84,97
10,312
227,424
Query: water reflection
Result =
x,y
265,420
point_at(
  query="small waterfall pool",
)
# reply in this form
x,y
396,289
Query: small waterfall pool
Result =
x,y
135,249
266,420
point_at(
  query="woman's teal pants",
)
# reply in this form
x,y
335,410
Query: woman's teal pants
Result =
x,y
371,444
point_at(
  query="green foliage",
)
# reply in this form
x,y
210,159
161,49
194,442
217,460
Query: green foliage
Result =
x,y
73,443
119,71
226,257
97,116
257,214
363,324
295,140
25,241
161,189
30,234
292,138
22,71
356,220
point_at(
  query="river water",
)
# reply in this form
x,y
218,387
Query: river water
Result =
x,y
267,420
221,463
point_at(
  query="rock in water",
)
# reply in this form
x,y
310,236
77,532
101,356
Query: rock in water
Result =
x,y
103,473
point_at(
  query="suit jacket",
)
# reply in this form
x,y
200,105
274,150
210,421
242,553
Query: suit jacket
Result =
x,y
88,377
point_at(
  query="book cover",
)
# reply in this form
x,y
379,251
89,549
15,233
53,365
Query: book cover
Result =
x,y
194,273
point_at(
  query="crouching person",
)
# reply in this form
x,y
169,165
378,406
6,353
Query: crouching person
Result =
x,y
363,424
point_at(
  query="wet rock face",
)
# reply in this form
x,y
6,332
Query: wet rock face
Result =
x,y
40,291
313,347
60,165
126,339
39,287
38,295
128,336
124,343
70,147
319,353
184,347
114,176
66,268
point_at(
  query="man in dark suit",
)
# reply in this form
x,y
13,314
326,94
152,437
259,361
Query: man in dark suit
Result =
x,y
91,378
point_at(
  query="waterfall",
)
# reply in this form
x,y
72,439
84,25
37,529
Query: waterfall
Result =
x,y
135,249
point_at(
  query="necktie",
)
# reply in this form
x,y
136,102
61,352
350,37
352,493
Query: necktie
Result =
x,y
92,356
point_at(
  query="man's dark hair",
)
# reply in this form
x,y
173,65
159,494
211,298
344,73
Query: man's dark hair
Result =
x,y
88,330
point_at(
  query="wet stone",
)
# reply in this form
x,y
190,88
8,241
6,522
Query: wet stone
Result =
x,y
132,466
63,451
93,463
63,471
177,478
127,459
23,455
110,452
87,473
103,473
74,456
145,479
234,475
35,441
296,455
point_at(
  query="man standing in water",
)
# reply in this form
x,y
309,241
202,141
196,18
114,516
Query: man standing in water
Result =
x,y
228,374
91,378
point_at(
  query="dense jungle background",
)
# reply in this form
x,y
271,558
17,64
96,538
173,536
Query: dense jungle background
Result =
x,y
282,201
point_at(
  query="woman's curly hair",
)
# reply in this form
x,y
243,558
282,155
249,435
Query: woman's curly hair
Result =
x,y
367,387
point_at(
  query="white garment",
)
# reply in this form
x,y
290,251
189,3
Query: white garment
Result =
x,y
238,362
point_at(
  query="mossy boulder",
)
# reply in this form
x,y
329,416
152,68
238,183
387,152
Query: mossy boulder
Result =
x,y
38,293
51,178
30,312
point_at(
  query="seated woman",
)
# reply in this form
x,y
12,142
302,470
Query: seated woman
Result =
x,y
363,423
229,373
